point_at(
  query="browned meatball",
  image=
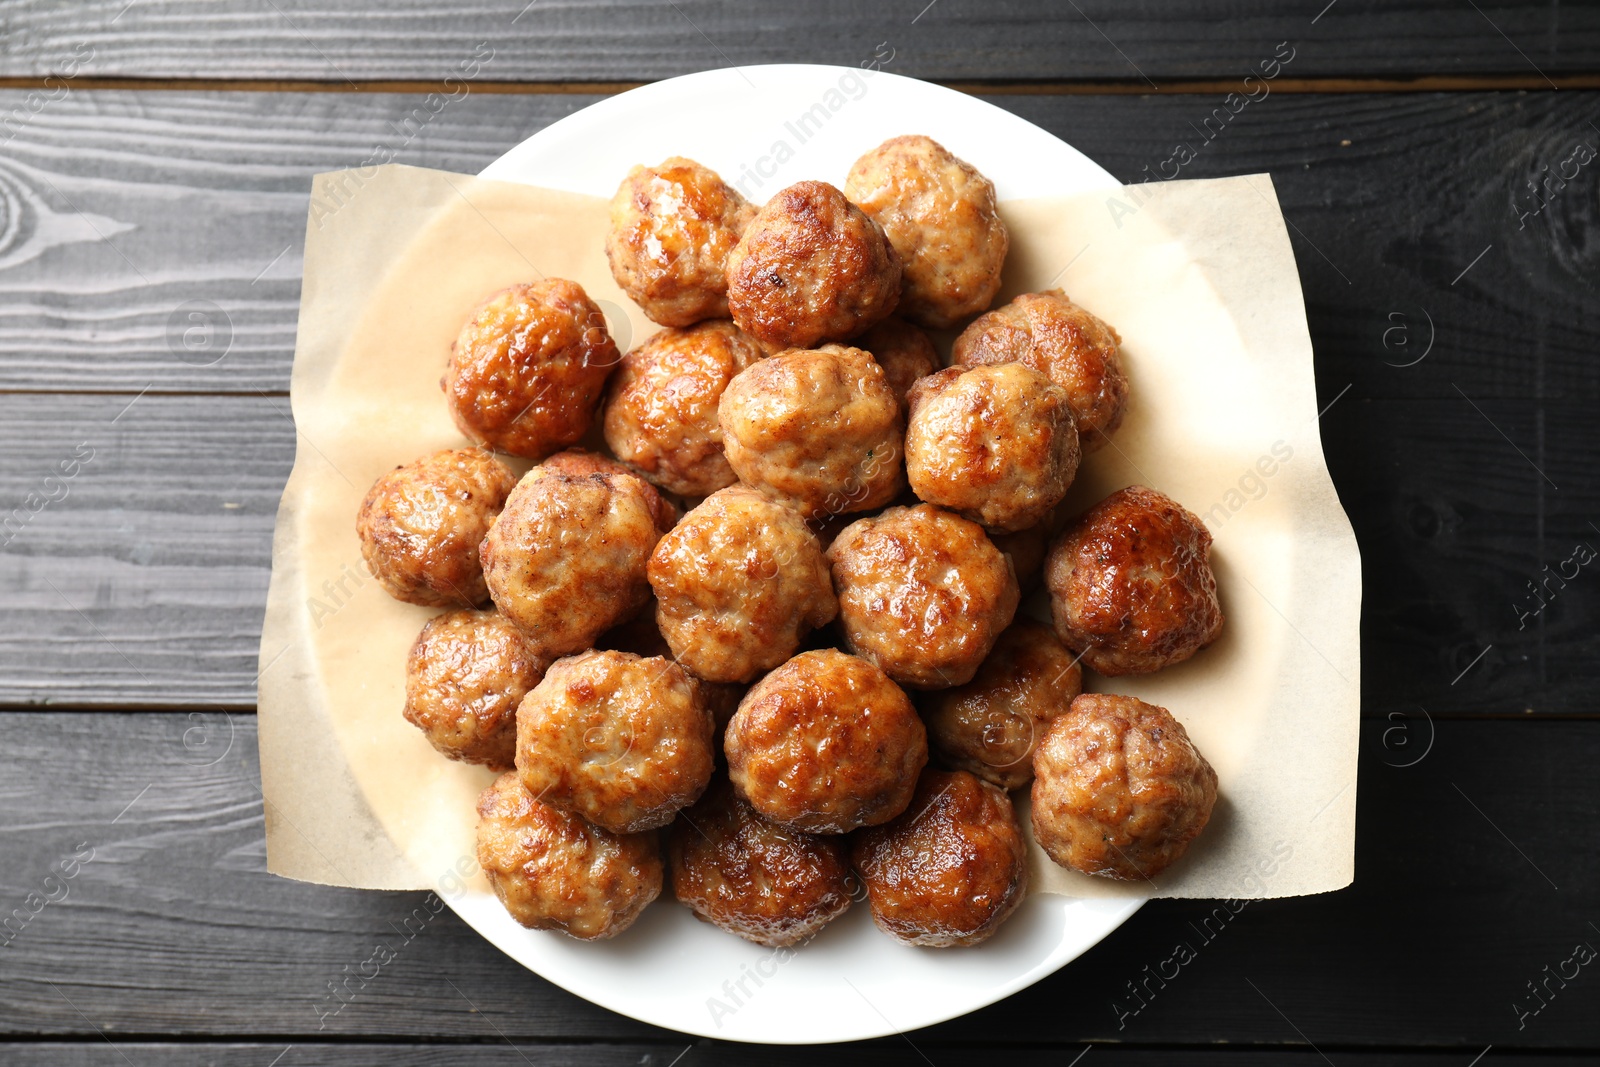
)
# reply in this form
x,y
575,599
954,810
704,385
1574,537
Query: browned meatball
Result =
x,y
1131,586
940,215
672,228
554,871
949,870
465,676
819,430
1119,789
1026,550
923,593
754,878
826,743
991,725
529,367
1063,342
904,352
661,414
622,740
811,268
420,526
738,583
997,444
580,461
566,559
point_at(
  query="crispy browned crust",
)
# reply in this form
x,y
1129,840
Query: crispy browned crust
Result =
x,y
950,869
826,743
1065,343
903,351
421,523
528,369
1119,789
811,268
1131,585
754,878
672,229
554,871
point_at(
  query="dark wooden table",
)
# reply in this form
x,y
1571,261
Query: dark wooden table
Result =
x,y
155,160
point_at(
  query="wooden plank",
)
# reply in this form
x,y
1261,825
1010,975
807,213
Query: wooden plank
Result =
x,y
564,40
172,929
708,1054
1402,210
144,583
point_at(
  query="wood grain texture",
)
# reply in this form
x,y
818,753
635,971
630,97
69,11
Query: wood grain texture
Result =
x,y
172,927
133,210
953,39
143,581
889,1053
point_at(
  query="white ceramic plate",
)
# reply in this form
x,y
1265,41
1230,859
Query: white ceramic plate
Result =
x,y
764,128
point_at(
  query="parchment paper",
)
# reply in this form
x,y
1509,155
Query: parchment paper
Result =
x,y
1198,277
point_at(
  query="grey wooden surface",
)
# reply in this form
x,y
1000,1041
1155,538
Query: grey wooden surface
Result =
x,y
1475,870
1000,40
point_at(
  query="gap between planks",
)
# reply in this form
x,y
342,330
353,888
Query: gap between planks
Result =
x,y
998,87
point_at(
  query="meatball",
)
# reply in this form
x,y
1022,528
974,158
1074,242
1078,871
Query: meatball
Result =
x,y
1063,342
622,740
991,725
997,444
672,229
580,461
1131,586
753,878
904,352
939,214
923,593
465,676
1026,550
526,374
826,743
1119,789
811,268
420,526
738,583
819,430
661,414
554,871
949,870
566,559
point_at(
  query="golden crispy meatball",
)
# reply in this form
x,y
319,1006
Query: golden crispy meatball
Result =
x,y
554,871
661,414
923,593
811,268
580,461
940,215
949,870
672,228
820,430
529,367
465,676
904,352
1026,550
1063,342
826,743
997,444
420,526
1131,586
761,881
622,740
991,725
738,583
1119,789
566,559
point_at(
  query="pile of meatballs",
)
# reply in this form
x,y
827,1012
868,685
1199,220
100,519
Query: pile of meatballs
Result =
x,y
765,648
